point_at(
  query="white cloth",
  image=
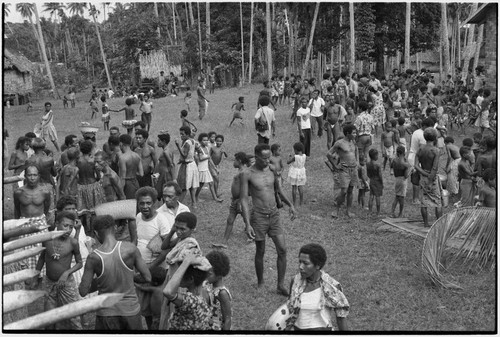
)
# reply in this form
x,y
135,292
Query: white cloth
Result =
x,y
417,139
310,314
297,171
305,121
170,214
316,106
269,115
146,230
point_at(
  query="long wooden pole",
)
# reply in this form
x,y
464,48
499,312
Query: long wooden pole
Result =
x,y
66,312
31,240
22,231
250,53
19,276
311,37
199,36
268,38
21,255
17,299
242,47
353,41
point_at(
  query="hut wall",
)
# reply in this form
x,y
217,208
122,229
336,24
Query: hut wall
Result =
x,y
490,47
15,82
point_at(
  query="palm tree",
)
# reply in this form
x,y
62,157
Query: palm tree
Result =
x,y
353,43
44,54
268,35
311,37
199,36
77,8
157,18
444,39
93,12
407,35
470,41
250,53
242,49
207,15
191,15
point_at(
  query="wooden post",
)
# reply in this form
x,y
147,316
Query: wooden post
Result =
x,y
21,255
19,276
66,312
17,299
31,240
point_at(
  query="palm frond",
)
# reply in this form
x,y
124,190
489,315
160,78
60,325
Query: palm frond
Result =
x,y
464,237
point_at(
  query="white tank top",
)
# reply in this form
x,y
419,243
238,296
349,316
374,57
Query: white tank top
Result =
x,y
310,314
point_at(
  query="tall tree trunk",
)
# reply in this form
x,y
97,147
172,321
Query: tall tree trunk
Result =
x,y
157,18
35,32
250,53
340,40
289,42
191,15
353,41
268,35
102,51
199,35
407,35
85,55
173,20
187,16
470,41
459,51
479,42
242,48
311,37
207,19
44,54
453,48
444,37
180,24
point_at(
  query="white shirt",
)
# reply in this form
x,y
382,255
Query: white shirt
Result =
x,y
316,108
146,230
170,215
417,139
305,121
269,115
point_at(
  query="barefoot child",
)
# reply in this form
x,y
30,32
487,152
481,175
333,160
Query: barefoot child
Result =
x,y
59,281
467,177
297,172
401,131
276,161
129,113
387,144
93,106
402,170
488,193
187,123
146,108
166,163
187,99
105,113
363,179
216,153
374,172
205,176
220,297
237,108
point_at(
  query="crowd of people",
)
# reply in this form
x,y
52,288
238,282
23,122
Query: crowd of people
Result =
x,y
155,260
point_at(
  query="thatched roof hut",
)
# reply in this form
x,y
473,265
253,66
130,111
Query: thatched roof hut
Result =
x,y
17,81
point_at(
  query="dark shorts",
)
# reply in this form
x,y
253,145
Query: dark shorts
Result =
x,y
348,176
266,221
118,322
235,207
145,180
130,187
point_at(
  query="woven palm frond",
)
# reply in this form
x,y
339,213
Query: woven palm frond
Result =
x,y
465,236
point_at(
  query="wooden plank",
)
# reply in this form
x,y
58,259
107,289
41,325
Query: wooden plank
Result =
x,y
23,230
66,312
19,276
24,254
31,240
417,230
14,223
17,299
12,180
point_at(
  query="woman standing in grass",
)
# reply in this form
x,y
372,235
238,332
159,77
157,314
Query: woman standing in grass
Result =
x,y
316,299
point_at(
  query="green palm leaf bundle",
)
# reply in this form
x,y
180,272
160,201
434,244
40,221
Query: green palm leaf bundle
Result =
x,y
463,237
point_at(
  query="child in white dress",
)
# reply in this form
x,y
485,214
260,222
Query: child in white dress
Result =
x,y
297,171
203,167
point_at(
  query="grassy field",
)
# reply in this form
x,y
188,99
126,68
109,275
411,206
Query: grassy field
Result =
x,y
380,270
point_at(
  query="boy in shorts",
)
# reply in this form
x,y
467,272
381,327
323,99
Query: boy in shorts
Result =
x,y
237,108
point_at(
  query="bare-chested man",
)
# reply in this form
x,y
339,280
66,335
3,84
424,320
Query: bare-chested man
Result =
x,y
90,192
129,164
166,164
426,163
262,184
32,201
110,181
114,152
346,166
334,117
106,147
148,157
45,164
70,141
59,282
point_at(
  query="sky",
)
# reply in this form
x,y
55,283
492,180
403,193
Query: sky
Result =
x,y
14,16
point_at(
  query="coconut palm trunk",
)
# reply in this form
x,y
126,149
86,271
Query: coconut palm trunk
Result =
x,y
242,48
268,35
470,41
250,53
199,36
407,35
191,15
444,37
157,17
311,37
92,12
352,59
44,54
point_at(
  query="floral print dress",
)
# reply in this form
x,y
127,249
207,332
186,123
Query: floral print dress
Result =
x,y
378,110
193,314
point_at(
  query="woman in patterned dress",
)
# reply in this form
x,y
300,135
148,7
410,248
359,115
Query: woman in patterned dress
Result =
x,y
378,110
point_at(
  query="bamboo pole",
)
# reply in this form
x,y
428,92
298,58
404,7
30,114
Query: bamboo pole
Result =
x,y
66,312
19,276
22,231
24,254
14,223
17,299
31,240
11,180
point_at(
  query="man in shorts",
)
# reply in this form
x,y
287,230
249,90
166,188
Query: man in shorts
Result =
x,y
263,184
346,166
364,126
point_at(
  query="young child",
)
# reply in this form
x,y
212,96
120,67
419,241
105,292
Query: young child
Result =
x,y
216,153
451,168
467,176
205,176
281,89
374,172
387,144
158,276
237,108
297,172
350,102
59,280
211,138
129,114
363,178
402,170
488,194
68,176
93,106
106,116
276,161
220,297
401,131
146,108
350,117
187,99
186,122
65,102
